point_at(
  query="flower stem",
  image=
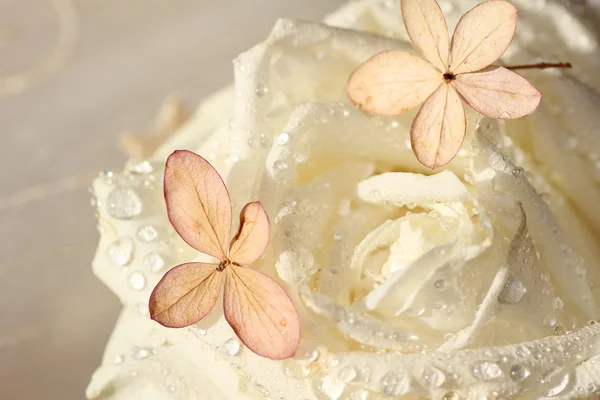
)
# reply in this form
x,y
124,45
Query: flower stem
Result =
x,y
540,66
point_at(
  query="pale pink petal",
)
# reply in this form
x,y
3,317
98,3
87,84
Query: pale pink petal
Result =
x,y
392,82
498,93
482,36
185,294
261,313
428,31
253,235
198,203
439,128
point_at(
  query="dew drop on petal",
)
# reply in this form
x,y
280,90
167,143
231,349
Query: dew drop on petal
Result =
x,y
118,359
153,262
120,251
519,373
136,280
394,384
432,377
486,370
512,292
450,396
147,233
123,203
232,347
559,387
261,390
282,138
141,353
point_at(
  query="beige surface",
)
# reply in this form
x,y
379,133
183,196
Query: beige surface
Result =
x,y
121,59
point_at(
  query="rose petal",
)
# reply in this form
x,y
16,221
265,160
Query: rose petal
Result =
x,y
185,294
498,93
253,235
392,82
428,31
482,36
261,313
439,128
198,203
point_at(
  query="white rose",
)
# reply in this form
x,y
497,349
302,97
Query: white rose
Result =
x,y
475,281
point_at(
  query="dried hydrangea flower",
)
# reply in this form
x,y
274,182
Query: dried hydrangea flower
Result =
x,y
257,308
393,82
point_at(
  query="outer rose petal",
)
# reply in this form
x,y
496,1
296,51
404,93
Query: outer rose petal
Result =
x,y
439,128
253,235
428,31
498,93
482,36
392,82
198,203
185,294
261,313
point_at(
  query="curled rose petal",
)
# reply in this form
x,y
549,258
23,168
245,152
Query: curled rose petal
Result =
x,y
253,235
261,313
439,128
497,92
428,31
198,203
185,294
482,36
392,82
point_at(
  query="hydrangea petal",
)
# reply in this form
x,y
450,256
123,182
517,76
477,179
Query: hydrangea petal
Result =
x,y
438,130
198,203
261,313
497,92
482,36
428,31
253,235
185,294
392,82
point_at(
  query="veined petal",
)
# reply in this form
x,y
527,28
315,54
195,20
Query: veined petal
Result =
x,y
261,313
253,235
498,93
392,82
198,203
428,31
185,294
439,128
482,36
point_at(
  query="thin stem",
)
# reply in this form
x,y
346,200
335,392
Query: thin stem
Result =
x,y
543,65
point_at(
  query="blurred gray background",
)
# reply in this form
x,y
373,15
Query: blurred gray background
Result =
x,y
75,74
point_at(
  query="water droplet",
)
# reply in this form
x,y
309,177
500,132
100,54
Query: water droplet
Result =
x,y
123,203
261,90
432,377
199,332
559,388
347,374
549,320
279,166
519,373
118,359
142,168
312,355
120,251
450,396
282,138
232,347
261,390
394,384
331,387
440,284
136,280
486,370
337,236
154,262
147,233
512,292
141,353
